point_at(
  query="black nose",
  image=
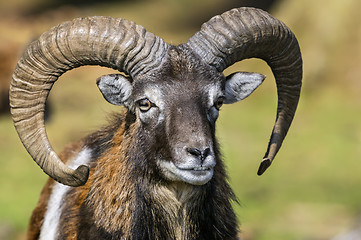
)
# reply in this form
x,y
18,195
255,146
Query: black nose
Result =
x,y
198,153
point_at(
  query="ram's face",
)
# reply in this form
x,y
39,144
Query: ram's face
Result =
x,y
176,109
180,112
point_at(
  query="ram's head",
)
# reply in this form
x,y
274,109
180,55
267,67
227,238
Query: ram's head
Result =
x,y
176,108
175,92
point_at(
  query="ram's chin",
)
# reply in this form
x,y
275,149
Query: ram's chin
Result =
x,y
194,176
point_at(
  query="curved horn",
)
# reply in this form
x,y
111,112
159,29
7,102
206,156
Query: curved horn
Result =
x,y
105,41
252,33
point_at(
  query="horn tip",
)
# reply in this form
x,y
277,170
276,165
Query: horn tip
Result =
x,y
266,162
79,178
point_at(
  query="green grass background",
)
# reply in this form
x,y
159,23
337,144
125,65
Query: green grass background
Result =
x,y
311,191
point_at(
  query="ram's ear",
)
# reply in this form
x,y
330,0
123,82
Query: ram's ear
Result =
x,y
116,89
240,85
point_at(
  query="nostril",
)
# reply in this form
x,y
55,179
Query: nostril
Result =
x,y
206,152
198,153
194,151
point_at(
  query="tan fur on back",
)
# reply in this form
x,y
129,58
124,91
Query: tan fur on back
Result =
x,y
116,209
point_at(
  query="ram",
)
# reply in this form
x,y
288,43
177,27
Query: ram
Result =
x,y
155,172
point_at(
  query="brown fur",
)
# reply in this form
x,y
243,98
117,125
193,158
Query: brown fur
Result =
x,y
115,210
72,203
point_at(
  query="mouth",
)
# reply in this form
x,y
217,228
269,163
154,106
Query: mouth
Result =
x,y
195,175
201,168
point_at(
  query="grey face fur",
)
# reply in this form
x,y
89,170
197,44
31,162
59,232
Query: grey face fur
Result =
x,y
183,102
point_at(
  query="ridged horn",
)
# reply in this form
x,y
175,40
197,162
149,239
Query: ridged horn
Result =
x,y
252,33
104,41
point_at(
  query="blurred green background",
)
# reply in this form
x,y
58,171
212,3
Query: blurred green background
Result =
x,y
312,191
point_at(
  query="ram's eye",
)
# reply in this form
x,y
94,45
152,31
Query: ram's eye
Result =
x,y
144,104
218,104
